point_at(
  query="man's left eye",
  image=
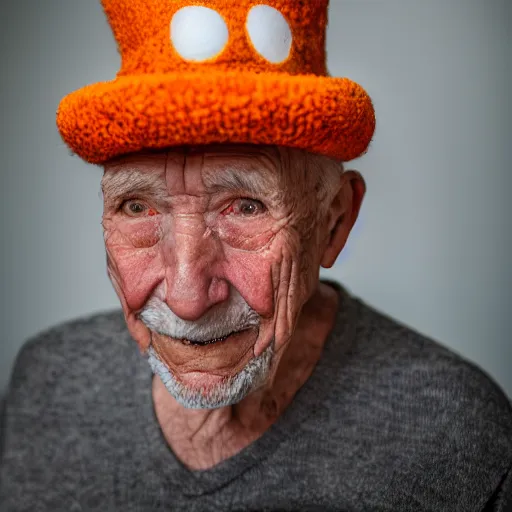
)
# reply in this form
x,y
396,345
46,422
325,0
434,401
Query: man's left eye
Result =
x,y
245,206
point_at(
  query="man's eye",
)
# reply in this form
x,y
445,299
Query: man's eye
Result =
x,y
135,208
245,206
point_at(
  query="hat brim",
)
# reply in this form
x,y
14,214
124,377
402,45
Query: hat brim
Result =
x,y
329,116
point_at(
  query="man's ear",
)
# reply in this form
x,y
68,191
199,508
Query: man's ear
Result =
x,y
342,215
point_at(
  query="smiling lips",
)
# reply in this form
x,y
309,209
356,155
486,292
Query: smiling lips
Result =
x,y
209,342
223,356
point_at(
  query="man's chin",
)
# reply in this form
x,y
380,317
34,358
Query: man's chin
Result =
x,y
205,390
203,382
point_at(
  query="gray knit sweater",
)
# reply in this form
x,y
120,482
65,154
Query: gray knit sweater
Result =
x,y
389,421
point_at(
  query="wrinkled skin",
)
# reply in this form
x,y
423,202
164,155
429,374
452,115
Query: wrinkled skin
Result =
x,y
187,225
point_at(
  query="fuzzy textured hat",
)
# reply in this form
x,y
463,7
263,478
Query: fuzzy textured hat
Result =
x,y
218,71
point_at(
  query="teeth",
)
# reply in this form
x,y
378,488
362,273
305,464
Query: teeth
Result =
x,y
204,343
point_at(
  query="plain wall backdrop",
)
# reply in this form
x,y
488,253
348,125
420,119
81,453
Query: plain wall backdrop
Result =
x,y
432,245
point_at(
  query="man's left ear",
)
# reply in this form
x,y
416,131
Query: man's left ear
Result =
x,y
343,214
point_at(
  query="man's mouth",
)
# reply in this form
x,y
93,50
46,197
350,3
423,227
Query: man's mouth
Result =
x,y
208,342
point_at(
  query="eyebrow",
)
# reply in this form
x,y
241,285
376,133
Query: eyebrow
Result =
x,y
116,184
244,180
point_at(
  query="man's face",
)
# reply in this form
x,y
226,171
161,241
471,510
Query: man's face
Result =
x,y
213,253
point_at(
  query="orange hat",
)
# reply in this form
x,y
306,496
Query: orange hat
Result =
x,y
218,71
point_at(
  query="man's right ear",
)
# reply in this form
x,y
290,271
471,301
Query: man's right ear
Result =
x,y
343,214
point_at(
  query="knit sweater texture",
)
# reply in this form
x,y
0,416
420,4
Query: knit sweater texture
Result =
x,y
388,421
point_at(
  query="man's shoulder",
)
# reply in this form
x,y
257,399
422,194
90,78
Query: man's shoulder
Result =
x,y
440,420
432,423
419,367
73,400
409,367
83,335
80,350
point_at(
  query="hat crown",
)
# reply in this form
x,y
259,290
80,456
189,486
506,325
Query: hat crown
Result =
x,y
167,36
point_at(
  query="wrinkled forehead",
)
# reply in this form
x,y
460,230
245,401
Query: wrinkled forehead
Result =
x,y
198,169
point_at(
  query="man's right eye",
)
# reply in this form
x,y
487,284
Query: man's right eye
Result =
x,y
137,208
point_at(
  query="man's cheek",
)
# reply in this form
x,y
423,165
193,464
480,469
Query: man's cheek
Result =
x,y
137,329
288,292
136,271
250,274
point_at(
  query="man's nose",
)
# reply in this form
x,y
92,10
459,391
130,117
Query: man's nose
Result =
x,y
192,275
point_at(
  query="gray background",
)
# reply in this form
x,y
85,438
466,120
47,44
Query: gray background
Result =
x,y
432,246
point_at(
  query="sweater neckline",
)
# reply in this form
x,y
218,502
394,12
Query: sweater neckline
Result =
x,y
308,400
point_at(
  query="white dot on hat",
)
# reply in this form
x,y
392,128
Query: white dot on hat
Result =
x,y
270,33
198,33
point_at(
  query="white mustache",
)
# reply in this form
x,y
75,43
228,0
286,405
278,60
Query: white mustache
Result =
x,y
231,316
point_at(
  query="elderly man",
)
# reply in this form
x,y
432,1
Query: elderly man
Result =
x,y
222,141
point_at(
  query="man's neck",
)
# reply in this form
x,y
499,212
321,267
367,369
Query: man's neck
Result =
x,y
201,439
